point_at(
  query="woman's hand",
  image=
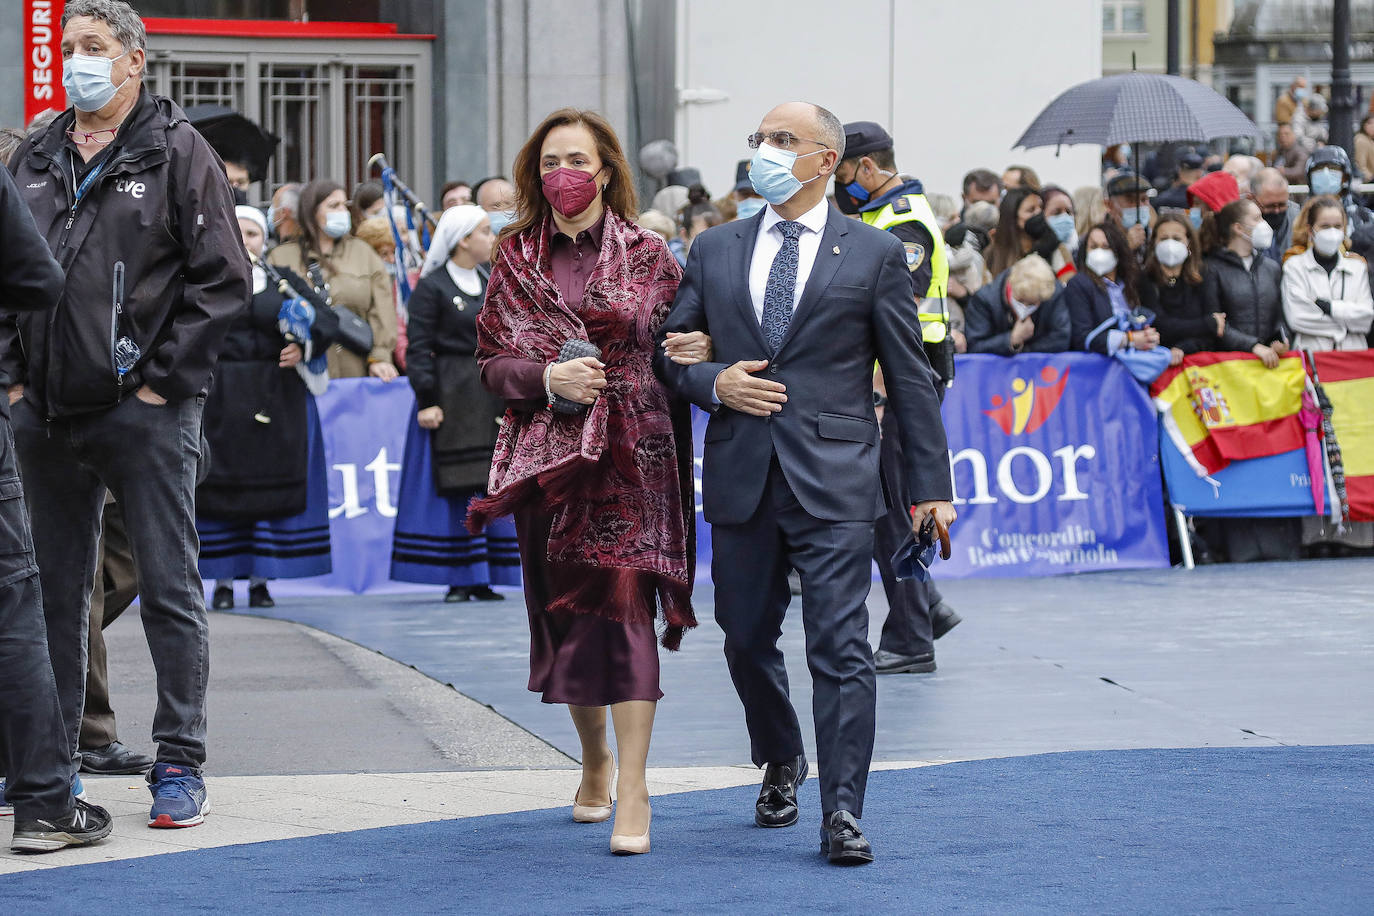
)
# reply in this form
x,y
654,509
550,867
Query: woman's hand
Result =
x,y
430,417
1175,356
290,356
579,380
15,392
1022,331
1266,355
1220,319
384,371
690,348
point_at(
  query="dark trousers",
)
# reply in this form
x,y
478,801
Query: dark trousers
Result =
x,y
116,587
148,457
35,745
907,630
749,564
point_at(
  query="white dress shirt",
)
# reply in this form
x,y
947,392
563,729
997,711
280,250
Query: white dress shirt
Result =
x,y
769,243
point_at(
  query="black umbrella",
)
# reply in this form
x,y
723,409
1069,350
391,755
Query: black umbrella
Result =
x,y
235,137
1137,108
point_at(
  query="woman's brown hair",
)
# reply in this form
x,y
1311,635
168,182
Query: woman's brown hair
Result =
x,y
531,207
1192,268
312,195
1302,229
1216,235
1006,240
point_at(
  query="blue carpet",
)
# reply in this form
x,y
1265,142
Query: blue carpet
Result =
x,y
1152,831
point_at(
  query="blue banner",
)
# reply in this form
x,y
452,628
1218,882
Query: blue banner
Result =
x,y
364,421
1056,468
1276,486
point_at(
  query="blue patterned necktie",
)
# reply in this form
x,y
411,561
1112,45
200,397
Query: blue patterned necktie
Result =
x,y
782,285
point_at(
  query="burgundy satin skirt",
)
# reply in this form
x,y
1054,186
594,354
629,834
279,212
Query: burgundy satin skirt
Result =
x,y
580,659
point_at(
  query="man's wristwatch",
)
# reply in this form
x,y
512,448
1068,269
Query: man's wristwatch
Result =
x,y
879,399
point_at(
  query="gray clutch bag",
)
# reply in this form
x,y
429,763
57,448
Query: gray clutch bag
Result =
x,y
573,349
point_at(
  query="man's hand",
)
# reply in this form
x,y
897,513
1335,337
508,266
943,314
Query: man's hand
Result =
x,y
1266,355
688,349
16,392
290,356
944,516
739,390
1022,331
149,396
384,371
580,380
430,417
1135,236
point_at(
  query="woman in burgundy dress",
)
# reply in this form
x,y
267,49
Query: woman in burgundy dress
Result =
x,y
603,495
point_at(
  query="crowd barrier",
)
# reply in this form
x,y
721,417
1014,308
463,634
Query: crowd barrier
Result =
x,y
1056,461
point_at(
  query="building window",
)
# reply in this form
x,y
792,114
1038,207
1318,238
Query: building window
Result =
x,y
1123,17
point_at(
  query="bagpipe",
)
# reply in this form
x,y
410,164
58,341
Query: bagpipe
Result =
x,y
299,323
397,193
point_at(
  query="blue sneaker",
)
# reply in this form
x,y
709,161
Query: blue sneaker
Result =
x,y
7,810
179,796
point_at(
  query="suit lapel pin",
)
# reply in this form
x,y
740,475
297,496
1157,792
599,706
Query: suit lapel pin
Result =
x,y
835,250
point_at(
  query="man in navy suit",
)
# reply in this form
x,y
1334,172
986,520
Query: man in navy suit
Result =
x,y
799,302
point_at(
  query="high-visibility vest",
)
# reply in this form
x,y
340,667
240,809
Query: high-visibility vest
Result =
x,y
934,313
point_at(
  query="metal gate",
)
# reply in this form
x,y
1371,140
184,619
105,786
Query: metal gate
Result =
x,y
333,102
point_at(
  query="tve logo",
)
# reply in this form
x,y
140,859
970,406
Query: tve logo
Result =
x,y
1024,474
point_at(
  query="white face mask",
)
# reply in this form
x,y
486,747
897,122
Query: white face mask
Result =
x,y
1328,241
1171,252
1101,261
1261,236
1021,309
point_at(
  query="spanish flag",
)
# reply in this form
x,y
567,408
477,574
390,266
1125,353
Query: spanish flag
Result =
x,y
1224,407
1348,379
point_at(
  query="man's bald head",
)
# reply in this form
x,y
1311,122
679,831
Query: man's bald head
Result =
x,y
809,121
1270,189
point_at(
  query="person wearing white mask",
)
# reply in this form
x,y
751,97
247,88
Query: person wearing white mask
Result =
x,y
1172,289
1326,297
1327,305
1019,312
1106,287
1243,284
453,433
351,273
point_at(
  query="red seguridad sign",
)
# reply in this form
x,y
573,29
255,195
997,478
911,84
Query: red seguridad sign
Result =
x,y
42,57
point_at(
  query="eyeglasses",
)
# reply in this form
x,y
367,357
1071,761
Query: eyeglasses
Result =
x,y
99,137
782,139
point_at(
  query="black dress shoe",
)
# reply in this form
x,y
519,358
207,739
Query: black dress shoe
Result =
x,y
457,593
114,759
777,804
842,842
943,619
258,597
223,599
485,593
891,663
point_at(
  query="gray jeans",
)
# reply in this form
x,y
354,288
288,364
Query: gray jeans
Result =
x,y
148,457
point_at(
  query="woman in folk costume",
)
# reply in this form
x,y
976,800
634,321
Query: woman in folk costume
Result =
x,y
263,510
594,458
449,446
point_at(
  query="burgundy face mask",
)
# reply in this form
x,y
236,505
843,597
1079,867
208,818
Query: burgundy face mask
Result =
x,y
569,191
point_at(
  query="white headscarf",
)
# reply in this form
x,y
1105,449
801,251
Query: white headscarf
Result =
x,y
252,214
456,224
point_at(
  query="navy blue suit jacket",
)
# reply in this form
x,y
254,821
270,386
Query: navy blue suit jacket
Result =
x,y
856,308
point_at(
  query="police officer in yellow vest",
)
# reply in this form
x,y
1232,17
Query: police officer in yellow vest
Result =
x,y
867,185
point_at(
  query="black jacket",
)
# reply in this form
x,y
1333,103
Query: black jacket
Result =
x,y
988,321
442,322
30,279
855,308
1250,299
1182,316
162,213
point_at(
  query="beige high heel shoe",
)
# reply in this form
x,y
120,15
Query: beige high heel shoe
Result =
x,y
594,814
632,845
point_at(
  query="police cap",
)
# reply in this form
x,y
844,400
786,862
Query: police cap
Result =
x,y
864,137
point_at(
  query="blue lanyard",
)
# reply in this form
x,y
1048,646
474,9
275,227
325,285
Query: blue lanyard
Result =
x,y
86,182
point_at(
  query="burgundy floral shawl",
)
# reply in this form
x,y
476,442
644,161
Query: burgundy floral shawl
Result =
x,y
610,478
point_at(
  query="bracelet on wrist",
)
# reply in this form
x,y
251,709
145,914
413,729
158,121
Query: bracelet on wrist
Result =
x,y
548,385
